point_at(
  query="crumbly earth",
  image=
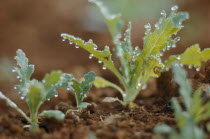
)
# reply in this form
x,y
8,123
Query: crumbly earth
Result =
x,y
105,120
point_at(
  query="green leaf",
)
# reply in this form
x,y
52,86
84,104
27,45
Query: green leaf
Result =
x,y
36,94
167,26
113,21
152,67
8,101
157,41
100,82
185,89
194,56
81,89
24,72
102,56
53,114
54,80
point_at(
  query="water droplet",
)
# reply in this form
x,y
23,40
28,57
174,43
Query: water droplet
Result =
x,y
22,97
20,80
48,99
70,42
63,39
106,47
197,69
178,58
163,13
43,81
68,89
18,77
13,70
15,87
190,67
136,48
195,66
157,26
144,87
104,67
76,46
181,65
173,46
167,69
147,26
56,95
174,8
95,47
90,56
99,61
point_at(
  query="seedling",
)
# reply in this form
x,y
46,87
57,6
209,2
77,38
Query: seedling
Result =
x,y
35,93
138,67
196,110
80,90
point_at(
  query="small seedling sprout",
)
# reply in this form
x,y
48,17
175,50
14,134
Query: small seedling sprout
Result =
x,y
80,90
34,92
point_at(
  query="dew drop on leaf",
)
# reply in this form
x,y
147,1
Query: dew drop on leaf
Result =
x,y
144,87
90,56
104,67
174,8
13,70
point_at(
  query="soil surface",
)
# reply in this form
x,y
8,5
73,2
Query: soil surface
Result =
x,y
105,120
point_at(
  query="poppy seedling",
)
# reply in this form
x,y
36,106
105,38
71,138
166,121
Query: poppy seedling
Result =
x,y
34,92
139,66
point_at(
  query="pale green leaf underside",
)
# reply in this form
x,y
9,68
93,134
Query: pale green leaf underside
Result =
x,y
53,114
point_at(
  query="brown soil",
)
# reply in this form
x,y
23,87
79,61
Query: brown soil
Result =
x,y
104,120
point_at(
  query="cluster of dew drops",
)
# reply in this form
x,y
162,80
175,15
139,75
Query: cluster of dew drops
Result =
x,y
91,55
